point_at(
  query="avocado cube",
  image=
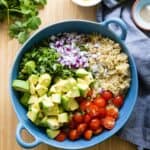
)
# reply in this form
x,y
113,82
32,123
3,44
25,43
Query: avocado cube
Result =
x,y
43,122
33,114
51,111
74,92
89,78
21,85
24,99
46,103
81,72
56,98
53,123
63,118
33,79
84,88
52,133
69,104
33,99
32,89
41,90
45,79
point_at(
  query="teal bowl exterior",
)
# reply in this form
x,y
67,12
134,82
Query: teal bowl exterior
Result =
x,y
80,26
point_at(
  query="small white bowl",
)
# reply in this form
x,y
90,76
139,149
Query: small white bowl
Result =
x,y
86,3
136,9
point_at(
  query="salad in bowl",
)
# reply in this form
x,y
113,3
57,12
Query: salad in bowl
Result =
x,y
73,84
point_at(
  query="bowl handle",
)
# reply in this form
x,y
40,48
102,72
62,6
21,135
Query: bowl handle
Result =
x,y
22,143
120,23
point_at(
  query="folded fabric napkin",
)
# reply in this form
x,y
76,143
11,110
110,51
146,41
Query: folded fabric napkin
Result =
x,y
137,129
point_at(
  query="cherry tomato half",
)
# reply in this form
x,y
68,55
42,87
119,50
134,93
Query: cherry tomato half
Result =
x,y
93,110
88,134
102,112
84,104
108,122
112,111
118,101
100,102
87,118
98,131
78,118
81,128
73,134
107,95
94,124
61,136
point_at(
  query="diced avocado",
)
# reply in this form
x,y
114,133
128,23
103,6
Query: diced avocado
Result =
x,y
84,88
35,105
69,104
74,92
61,109
72,82
33,114
51,111
45,79
89,78
21,85
33,99
43,122
32,89
25,98
33,79
52,133
56,98
63,118
29,67
41,90
46,103
53,123
81,72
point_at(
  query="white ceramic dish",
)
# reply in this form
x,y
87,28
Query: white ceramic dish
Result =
x,y
86,3
136,9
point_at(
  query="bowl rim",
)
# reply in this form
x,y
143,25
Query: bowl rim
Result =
x,y
11,92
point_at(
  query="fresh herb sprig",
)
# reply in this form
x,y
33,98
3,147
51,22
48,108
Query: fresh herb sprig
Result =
x,y
22,16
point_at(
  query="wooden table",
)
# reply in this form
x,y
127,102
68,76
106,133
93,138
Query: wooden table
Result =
x,y
54,11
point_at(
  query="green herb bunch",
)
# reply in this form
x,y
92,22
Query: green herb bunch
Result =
x,y
22,16
43,60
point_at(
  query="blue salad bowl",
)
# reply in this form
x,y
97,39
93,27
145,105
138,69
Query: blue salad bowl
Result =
x,y
80,26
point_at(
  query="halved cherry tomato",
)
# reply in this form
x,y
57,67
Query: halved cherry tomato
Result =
x,y
84,104
98,131
73,134
93,110
100,102
81,128
102,112
107,95
72,124
87,118
88,134
112,111
78,118
118,101
94,124
108,122
61,136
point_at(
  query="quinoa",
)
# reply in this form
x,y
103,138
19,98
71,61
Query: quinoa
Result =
x,y
109,64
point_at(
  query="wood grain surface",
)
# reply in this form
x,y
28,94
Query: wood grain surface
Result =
x,y
54,11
